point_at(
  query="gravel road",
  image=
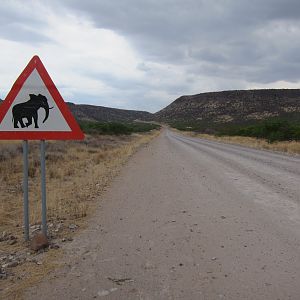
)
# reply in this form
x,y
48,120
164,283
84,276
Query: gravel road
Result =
x,y
189,219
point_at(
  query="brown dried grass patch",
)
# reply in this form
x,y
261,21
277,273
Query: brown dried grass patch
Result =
x,y
291,147
76,172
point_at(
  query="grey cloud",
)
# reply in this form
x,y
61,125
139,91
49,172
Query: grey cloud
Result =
x,y
143,67
220,32
16,32
225,43
136,91
17,24
131,99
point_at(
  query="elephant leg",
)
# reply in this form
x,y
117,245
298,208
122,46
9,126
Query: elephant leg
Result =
x,y
29,122
16,123
21,123
35,119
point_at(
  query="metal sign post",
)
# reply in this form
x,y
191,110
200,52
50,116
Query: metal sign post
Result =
x,y
20,119
25,190
43,185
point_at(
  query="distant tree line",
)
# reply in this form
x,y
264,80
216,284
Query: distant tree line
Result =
x,y
116,128
272,129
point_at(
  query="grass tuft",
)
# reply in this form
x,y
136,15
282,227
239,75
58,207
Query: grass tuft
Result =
x,y
76,172
291,147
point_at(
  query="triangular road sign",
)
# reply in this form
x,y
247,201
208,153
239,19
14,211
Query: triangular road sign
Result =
x,y
35,110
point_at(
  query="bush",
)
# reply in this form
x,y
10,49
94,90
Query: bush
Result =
x,y
114,128
272,129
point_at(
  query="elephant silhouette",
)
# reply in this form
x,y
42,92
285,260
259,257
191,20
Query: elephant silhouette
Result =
x,y
29,111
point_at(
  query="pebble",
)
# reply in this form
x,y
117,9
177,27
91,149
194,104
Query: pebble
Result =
x,y
103,293
54,246
12,242
3,274
68,239
7,237
35,228
3,258
11,264
3,237
59,227
148,266
73,226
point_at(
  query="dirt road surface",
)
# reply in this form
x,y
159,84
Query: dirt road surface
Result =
x,y
189,219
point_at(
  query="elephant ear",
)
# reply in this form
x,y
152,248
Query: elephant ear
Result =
x,y
32,96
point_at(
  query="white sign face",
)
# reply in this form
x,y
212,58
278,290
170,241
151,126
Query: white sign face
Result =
x,y
29,110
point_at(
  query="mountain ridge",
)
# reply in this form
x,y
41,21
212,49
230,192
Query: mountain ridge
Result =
x,y
232,106
87,112
106,114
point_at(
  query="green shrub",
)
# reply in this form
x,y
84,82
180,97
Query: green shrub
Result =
x,y
115,128
273,129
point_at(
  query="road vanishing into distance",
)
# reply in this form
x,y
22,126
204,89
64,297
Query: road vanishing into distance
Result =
x,y
189,219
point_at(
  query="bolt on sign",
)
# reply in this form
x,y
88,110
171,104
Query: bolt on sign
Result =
x,y
35,110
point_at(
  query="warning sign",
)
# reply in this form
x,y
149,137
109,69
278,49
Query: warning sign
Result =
x,y
35,110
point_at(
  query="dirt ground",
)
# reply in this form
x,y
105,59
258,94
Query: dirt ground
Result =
x,y
189,219
77,174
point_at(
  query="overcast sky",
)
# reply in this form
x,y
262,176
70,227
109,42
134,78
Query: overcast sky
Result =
x,y
143,54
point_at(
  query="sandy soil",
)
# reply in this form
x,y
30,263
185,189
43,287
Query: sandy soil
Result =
x,y
189,219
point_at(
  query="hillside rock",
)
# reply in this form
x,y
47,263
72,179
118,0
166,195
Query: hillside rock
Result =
x,y
39,241
106,114
237,106
233,106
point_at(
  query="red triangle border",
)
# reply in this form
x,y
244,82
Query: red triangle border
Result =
x,y
74,134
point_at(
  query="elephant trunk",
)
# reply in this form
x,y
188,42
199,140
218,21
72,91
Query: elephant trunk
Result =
x,y
47,108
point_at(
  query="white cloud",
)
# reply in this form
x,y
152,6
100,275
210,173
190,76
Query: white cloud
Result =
x,y
142,55
275,85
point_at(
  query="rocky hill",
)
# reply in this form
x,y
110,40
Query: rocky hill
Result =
x,y
233,106
240,106
106,114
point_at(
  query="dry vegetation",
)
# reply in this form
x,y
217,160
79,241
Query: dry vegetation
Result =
x,y
291,147
77,173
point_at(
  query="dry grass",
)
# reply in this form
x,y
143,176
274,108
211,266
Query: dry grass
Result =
x,y
292,147
28,274
77,173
